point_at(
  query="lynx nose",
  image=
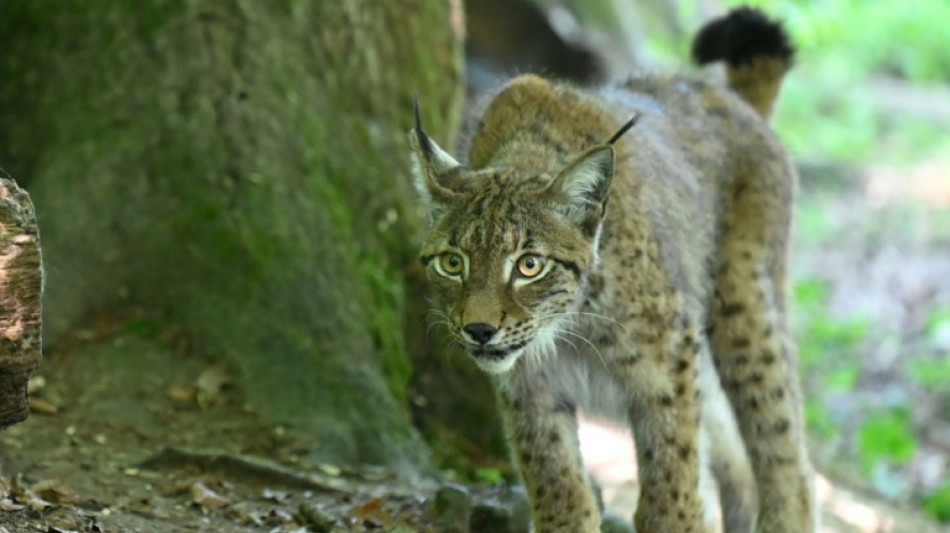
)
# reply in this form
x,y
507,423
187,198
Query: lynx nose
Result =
x,y
480,332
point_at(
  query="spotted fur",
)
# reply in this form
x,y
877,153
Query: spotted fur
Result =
x,y
642,279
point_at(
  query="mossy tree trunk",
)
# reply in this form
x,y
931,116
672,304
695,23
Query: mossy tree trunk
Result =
x,y
238,168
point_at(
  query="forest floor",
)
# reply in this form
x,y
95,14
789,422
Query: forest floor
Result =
x,y
165,445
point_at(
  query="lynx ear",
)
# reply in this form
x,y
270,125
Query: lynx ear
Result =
x,y
582,187
431,166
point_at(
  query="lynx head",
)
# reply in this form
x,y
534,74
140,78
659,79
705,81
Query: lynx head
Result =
x,y
508,249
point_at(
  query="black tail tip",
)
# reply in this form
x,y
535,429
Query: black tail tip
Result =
x,y
742,35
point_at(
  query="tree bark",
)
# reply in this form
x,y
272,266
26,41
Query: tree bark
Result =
x,y
239,169
21,286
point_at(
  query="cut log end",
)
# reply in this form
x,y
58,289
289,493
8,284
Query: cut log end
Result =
x,y
21,289
14,401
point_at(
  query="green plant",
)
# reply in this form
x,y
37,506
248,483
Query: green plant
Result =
x,y
820,334
938,323
813,226
819,420
887,436
938,504
811,293
492,476
843,379
931,374
839,334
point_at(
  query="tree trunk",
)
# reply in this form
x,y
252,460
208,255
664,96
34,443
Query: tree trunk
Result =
x,y
239,169
21,285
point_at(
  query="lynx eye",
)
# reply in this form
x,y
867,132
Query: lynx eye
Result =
x,y
451,264
530,265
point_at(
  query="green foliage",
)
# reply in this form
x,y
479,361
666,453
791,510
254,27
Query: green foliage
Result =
x,y
934,374
887,436
938,504
825,340
811,294
819,420
829,351
843,379
938,323
828,109
931,374
856,36
835,334
492,476
813,225
144,328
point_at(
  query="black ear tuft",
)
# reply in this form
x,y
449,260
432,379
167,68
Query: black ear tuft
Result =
x,y
624,129
424,143
741,36
430,165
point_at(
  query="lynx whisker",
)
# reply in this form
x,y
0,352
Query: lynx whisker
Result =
x,y
592,347
585,314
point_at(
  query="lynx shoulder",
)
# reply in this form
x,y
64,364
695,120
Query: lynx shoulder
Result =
x,y
637,274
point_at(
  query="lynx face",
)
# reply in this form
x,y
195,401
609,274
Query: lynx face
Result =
x,y
499,260
508,249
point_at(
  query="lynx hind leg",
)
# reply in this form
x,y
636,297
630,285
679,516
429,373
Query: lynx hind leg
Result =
x,y
727,458
708,490
753,352
763,390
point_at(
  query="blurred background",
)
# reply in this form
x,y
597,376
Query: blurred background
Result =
x,y
235,323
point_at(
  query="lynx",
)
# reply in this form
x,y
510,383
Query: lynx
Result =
x,y
635,268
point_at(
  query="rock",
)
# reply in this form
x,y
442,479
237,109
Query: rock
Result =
x,y
314,518
451,508
502,510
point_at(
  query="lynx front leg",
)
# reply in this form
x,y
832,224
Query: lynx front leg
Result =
x,y
669,468
543,432
665,418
